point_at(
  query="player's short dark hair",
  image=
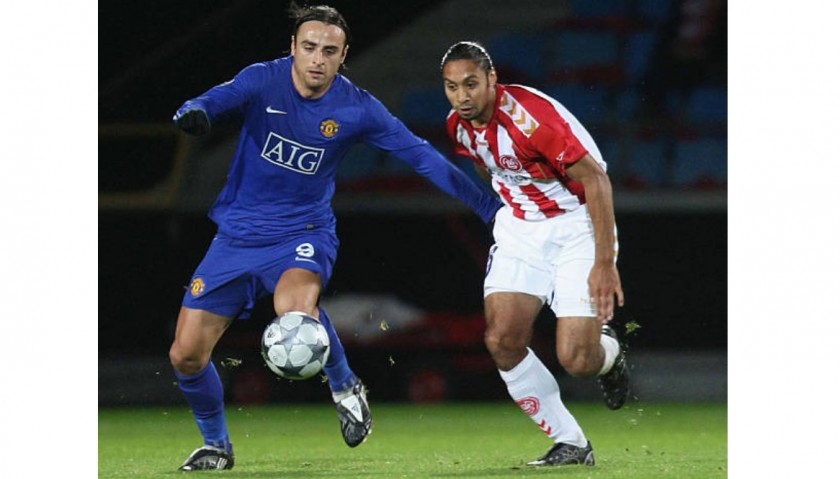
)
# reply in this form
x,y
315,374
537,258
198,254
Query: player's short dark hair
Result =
x,y
468,50
321,13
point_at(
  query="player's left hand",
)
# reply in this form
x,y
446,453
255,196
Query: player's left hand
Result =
x,y
605,289
192,121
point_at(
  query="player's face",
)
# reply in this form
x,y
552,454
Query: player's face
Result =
x,y
319,50
471,91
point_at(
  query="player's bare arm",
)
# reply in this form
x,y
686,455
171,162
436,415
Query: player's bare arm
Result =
x,y
604,280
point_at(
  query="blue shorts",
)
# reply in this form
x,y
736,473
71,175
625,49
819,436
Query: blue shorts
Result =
x,y
234,274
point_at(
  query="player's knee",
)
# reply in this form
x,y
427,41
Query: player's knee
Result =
x,y
505,349
577,361
502,343
184,362
576,366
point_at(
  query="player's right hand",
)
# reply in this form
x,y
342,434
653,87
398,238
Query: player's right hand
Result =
x,y
606,291
195,122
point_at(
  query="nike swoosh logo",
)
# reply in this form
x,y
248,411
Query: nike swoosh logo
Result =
x,y
268,109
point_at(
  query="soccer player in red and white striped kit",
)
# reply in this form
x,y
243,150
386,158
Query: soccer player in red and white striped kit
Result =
x,y
555,242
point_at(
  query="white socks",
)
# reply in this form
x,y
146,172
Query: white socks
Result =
x,y
535,390
610,353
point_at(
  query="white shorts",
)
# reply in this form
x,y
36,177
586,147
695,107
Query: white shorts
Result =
x,y
550,259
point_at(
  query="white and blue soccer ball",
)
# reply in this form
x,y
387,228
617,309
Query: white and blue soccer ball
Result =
x,y
295,346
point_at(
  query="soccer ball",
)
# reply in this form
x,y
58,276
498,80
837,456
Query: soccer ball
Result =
x,y
295,346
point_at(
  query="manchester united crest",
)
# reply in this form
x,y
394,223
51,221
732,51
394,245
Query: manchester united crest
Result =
x,y
329,128
197,286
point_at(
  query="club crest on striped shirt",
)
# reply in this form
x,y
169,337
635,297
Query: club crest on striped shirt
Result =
x,y
510,162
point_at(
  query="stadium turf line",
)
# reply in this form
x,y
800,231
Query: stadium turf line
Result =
x,y
458,440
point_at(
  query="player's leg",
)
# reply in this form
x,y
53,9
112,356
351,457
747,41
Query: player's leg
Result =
x,y
510,318
579,347
221,289
615,381
518,282
196,334
298,290
585,347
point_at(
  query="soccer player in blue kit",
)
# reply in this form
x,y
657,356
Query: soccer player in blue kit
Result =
x,y
276,228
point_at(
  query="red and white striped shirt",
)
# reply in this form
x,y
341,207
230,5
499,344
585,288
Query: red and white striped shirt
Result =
x,y
527,145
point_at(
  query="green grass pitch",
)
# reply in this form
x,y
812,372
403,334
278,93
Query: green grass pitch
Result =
x,y
453,440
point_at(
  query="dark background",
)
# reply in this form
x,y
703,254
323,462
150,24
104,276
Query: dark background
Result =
x,y
673,269
156,54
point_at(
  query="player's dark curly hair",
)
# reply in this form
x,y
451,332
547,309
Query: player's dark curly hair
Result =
x,y
468,51
321,13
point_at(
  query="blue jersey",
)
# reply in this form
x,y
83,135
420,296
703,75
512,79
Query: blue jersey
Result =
x,y
282,178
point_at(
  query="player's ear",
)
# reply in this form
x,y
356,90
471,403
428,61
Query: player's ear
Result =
x,y
292,47
491,78
344,53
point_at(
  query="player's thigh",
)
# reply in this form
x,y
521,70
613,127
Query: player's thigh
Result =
x,y
509,273
571,297
300,270
298,290
510,317
573,260
224,283
196,334
577,336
